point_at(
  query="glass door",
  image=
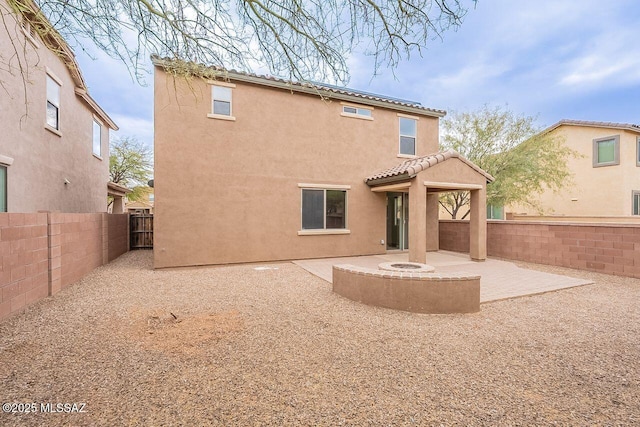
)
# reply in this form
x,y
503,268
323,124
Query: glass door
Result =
x,y
397,221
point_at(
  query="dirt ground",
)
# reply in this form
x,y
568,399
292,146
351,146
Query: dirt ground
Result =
x,y
270,344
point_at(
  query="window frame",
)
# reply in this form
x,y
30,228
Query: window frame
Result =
x,y
50,77
324,188
359,110
616,151
213,114
30,33
401,135
4,169
634,194
93,139
638,152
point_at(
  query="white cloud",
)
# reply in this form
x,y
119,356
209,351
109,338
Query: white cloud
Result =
x,y
141,129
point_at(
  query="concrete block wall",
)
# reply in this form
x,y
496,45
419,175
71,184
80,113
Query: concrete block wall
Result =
x,y
605,248
81,248
118,235
24,261
41,253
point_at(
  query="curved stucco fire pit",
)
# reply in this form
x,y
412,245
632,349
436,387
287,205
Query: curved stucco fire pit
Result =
x,y
406,267
417,292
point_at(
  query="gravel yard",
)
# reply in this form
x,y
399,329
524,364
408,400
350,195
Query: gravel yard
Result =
x,y
235,346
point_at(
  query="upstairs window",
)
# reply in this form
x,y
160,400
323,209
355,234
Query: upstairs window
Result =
x,y
356,112
606,151
221,100
97,138
638,152
635,209
53,103
408,133
3,188
324,209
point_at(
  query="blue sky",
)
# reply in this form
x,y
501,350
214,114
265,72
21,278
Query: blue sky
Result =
x,y
552,59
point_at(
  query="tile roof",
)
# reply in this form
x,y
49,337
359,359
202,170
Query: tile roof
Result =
x,y
410,168
626,126
322,89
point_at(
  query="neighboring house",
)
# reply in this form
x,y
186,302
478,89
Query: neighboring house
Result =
x,y
251,168
142,206
606,177
54,138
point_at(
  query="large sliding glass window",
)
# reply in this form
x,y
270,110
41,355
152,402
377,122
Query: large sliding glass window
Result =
x,y
324,209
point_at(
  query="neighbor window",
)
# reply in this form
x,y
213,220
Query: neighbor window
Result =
x,y
358,112
97,133
53,103
635,203
606,151
221,100
408,129
3,188
324,209
495,211
638,152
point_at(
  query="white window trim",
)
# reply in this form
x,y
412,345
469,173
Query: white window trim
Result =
x,y
6,160
638,151
212,115
221,117
415,137
356,115
325,231
26,29
99,122
52,129
634,193
56,79
324,186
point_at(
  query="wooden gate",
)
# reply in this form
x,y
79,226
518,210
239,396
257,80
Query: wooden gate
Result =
x,y
141,226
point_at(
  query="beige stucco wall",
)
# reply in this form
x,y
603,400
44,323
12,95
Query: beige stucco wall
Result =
x,y
600,191
42,160
227,191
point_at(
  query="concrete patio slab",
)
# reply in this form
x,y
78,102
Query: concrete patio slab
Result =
x,y
499,279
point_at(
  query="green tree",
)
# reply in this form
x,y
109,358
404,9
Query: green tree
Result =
x,y
131,165
523,159
310,39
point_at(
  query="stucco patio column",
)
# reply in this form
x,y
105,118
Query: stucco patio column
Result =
x,y
417,222
433,224
478,225
118,205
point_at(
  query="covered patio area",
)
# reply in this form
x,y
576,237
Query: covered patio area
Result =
x,y
422,179
499,279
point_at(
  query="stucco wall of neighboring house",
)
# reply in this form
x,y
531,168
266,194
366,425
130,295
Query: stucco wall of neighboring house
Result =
x,y
598,191
229,191
43,160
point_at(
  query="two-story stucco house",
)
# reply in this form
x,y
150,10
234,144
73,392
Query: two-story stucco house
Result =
x,y
54,138
252,168
606,175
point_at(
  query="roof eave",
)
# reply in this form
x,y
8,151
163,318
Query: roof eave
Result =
x,y
389,180
604,125
231,75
